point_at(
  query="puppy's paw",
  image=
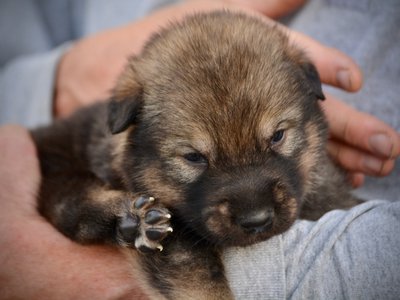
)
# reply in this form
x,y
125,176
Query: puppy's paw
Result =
x,y
144,224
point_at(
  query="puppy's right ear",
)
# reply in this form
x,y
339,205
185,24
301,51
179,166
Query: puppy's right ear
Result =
x,y
126,103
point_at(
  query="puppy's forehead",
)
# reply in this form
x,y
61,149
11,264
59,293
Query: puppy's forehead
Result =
x,y
223,76
218,55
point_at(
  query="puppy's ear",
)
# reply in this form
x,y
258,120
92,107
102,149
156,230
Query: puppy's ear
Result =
x,y
309,72
313,79
126,102
123,112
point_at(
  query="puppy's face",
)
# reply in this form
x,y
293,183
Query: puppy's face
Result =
x,y
227,129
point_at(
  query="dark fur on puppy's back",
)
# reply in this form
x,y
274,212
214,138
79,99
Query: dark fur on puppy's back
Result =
x,y
218,119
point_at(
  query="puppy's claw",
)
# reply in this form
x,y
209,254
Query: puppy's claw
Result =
x,y
156,216
142,201
158,233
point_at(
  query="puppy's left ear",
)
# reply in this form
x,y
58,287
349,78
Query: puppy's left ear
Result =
x,y
126,102
309,72
313,79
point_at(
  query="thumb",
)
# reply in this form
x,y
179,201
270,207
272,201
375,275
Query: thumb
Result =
x,y
19,168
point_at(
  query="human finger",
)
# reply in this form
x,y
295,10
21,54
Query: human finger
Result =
x,y
356,179
334,67
361,130
355,160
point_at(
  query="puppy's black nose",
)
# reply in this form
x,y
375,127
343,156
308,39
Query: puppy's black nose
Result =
x,y
257,221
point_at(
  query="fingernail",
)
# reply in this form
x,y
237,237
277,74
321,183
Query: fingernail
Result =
x,y
372,165
344,79
381,144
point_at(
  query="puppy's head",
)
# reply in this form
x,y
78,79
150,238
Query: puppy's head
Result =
x,y
227,128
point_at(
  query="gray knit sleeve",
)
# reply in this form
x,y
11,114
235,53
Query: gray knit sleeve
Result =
x,y
27,87
345,255
257,271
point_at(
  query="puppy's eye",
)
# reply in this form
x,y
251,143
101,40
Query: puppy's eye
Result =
x,y
278,136
195,158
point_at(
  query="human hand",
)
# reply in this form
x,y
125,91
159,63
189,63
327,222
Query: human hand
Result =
x,y
37,262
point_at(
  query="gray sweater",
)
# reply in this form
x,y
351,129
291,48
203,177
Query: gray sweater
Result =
x,y
352,255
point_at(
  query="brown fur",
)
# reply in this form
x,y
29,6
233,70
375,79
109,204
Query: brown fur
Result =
x,y
218,120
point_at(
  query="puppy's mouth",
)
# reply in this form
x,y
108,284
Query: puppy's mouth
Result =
x,y
224,227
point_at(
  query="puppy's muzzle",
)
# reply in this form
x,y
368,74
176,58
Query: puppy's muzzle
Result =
x,y
246,206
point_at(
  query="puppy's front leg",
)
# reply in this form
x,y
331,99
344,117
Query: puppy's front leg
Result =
x,y
84,209
186,269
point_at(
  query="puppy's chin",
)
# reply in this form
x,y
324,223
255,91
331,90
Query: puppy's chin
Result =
x,y
221,228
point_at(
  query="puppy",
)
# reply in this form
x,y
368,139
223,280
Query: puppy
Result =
x,y
213,138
